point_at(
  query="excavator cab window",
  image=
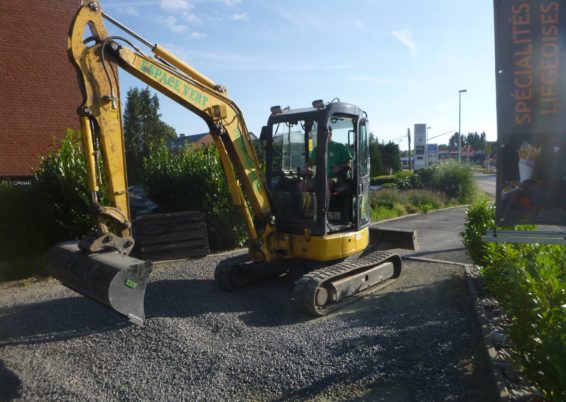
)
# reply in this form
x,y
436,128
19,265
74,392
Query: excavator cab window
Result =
x,y
341,149
293,196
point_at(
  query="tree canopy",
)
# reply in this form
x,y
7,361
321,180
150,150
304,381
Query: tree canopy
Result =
x,y
143,129
474,140
374,156
383,156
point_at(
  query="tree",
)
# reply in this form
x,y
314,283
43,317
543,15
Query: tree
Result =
x,y
390,156
143,129
453,141
376,166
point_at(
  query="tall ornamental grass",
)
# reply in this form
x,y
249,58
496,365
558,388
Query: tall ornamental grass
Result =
x,y
391,203
454,180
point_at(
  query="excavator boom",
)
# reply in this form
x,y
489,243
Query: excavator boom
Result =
x,y
101,268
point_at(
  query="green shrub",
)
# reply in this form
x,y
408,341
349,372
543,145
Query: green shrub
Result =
x,y
18,248
405,182
480,217
530,282
455,180
403,173
424,178
54,207
60,188
389,186
450,178
16,230
195,180
381,180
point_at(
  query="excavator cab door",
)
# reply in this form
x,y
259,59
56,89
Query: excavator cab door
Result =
x,y
362,174
292,187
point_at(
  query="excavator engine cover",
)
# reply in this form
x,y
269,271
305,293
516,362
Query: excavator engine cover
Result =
x,y
115,280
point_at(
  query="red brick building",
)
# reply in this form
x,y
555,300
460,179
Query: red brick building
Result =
x,y
39,93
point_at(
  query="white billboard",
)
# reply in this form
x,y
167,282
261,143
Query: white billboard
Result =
x,y
420,146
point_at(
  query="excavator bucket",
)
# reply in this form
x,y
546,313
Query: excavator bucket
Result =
x,y
112,279
387,239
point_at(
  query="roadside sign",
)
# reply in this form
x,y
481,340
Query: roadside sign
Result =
x,y
530,48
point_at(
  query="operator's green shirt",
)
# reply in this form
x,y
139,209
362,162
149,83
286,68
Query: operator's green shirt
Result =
x,y
338,154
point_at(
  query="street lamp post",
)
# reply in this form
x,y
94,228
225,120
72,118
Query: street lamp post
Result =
x,y
460,124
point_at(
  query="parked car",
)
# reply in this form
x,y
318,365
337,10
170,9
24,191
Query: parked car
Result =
x,y
140,204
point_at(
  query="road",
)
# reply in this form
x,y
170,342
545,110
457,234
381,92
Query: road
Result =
x,y
486,182
416,340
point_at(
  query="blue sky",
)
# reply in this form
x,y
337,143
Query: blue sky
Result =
x,y
401,61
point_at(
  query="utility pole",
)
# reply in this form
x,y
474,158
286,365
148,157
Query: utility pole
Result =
x,y
460,92
409,140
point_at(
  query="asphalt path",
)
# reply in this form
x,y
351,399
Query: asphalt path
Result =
x,y
438,234
415,340
486,182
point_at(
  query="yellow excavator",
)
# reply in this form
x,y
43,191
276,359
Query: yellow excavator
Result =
x,y
296,218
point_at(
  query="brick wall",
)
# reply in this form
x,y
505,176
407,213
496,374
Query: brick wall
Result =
x,y
39,94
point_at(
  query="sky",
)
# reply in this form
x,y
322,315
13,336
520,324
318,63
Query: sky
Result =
x,y
403,61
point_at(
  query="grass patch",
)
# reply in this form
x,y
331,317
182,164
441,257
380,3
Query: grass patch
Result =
x,y
383,213
391,203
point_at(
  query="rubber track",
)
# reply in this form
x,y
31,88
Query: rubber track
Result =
x,y
225,271
306,287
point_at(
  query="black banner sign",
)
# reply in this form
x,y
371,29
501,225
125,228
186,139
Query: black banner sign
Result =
x,y
530,49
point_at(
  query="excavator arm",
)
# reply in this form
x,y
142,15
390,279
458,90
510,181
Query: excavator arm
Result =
x,y
97,60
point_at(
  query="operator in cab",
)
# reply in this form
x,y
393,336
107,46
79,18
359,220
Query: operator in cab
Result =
x,y
339,160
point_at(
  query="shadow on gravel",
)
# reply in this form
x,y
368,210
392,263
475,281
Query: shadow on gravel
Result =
x,y
56,320
419,343
433,252
263,304
10,384
267,303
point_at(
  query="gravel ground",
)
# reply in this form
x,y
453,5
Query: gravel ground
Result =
x,y
415,340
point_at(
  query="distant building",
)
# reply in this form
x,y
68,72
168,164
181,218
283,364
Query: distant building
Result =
x,y
182,141
445,152
196,141
405,162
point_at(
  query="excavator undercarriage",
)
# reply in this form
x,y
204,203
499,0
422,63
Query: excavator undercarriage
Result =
x,y
328,286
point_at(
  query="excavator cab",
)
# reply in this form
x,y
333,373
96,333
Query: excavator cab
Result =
x,y
318,199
